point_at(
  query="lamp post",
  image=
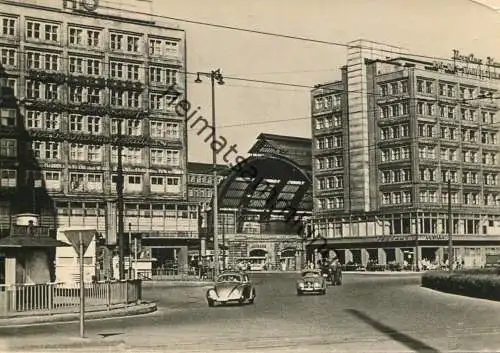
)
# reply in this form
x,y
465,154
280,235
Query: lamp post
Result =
x,y
130,250
214,75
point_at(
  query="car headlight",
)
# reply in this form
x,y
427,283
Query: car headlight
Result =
x,y
212,294
301,284
317,285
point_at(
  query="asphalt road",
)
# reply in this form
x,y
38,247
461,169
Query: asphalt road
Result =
x,y
369,313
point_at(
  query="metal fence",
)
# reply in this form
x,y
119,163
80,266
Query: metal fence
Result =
x,y
57,298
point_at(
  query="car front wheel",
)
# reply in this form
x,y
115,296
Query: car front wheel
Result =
x,y
211,303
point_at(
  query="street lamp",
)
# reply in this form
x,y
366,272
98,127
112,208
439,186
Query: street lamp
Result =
x,y
215,75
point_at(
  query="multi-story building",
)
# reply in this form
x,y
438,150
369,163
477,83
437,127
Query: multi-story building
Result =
x,y
387,139
200,185
84,80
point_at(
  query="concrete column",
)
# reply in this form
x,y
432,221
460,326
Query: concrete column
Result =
x,y
365,256
182,257
348,256
382,256
399,255
10,270
440,255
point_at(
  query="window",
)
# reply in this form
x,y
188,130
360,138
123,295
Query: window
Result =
x,y
77,152
75,36
94,125
52,150
33,90
76,94
75,123
51,62
171,48
173,184
155,101
93,67
133,44
8,178
93,38
9,57
51,32
52,180
34,119
116,41
155,74
170,77
116,69
8,148
117,98
8,117
94,95
133,72
8,26
172,157
52,121
155,47
75,65
94,153
133,183
33,30
51,91
94,182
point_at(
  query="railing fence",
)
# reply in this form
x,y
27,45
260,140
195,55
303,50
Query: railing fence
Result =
x,y
54,298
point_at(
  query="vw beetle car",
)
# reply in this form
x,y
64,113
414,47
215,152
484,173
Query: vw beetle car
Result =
x,y
312,281
231,287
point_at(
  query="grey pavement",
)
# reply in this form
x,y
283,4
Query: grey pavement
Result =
x,y
366,314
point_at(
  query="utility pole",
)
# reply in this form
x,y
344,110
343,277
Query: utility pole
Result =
x,y
119,204
450,230
130,250
215,75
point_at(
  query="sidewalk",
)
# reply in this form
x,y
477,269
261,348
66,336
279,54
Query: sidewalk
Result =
x,y
92,313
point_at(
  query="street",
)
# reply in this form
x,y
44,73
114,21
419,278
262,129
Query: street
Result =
x,y
370,312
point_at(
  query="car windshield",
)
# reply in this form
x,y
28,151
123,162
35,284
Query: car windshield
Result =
x,y
229,278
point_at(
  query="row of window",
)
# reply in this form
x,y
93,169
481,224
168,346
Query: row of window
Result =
x,y
330,162
452,133
450,112
90,124
427,86
432,196
36,90
202,179
329,122
395,132
394,88
328,102
428,174
83,182
205,193
94,153
327,142
333,182
39,30
331,203
80,65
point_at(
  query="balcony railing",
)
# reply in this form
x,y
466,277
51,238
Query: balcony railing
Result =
x,y
33,231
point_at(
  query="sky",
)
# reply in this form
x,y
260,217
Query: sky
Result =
x,y
244,110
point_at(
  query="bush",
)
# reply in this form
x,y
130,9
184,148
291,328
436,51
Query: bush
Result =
x,y
472,283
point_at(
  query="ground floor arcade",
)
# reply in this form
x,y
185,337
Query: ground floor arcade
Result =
x,y
411,251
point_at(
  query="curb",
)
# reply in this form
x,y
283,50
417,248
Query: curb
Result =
x,y
139,309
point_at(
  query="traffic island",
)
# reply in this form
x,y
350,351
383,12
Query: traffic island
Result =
x,y
90,314
476,283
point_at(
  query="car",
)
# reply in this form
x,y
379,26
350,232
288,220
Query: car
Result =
x,y
312,281
231,287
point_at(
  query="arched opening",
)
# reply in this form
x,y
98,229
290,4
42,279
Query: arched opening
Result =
x,y
258,253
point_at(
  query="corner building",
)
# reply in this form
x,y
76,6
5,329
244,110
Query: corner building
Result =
x,y
80,82
387,138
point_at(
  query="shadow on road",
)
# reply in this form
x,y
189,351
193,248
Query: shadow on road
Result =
x,y
408,341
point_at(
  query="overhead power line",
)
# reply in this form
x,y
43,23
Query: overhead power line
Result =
x,y
277,35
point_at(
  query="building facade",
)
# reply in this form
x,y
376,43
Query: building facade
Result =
x,y
388,137
200,178
78,81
